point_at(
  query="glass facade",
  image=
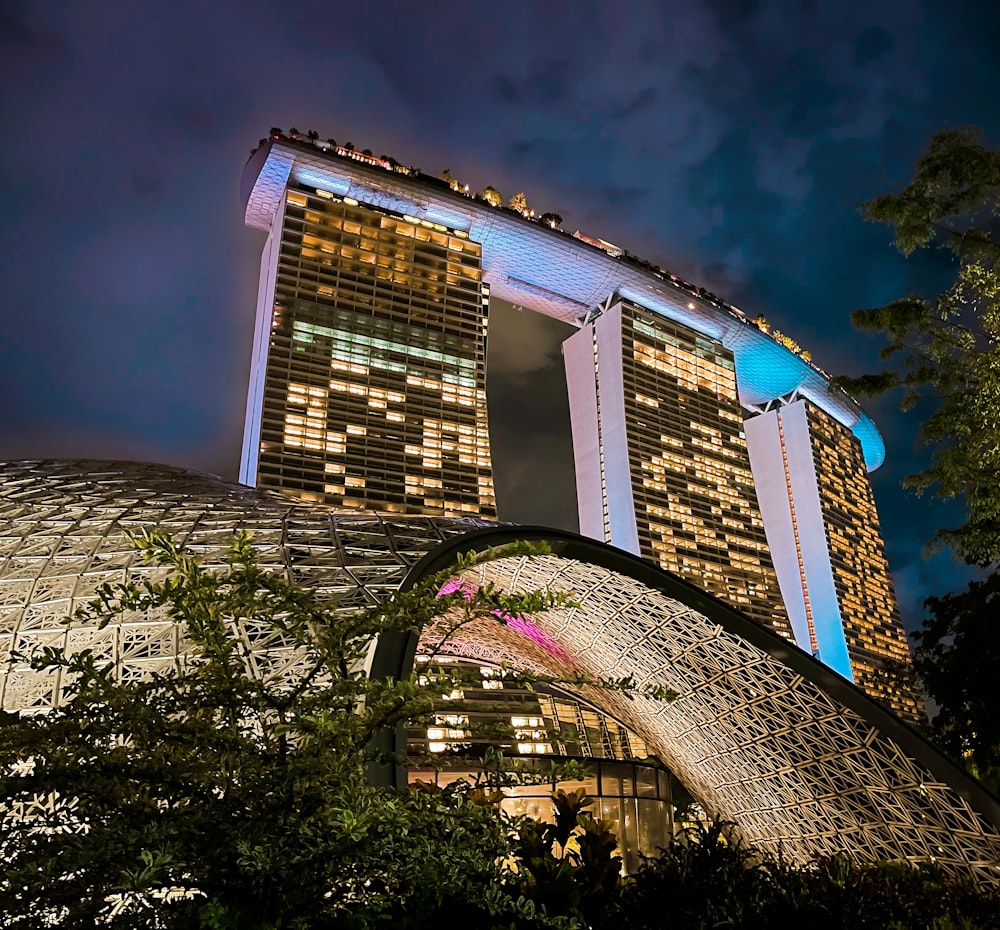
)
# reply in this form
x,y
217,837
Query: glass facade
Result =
x,y
873,628
641,800
696,509
491,711
374,392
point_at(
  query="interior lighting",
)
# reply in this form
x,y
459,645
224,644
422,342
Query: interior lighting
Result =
x,y
351,201
326,195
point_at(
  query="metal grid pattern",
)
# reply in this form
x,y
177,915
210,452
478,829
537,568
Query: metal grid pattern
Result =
x,y
759,741
795,768
62,535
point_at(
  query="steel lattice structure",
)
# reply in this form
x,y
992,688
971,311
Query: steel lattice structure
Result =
x,y
800,759
62,534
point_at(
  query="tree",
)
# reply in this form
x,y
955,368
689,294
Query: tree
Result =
x,y
215,796
569,865
492,196
958,653
947,349
706,878
519,203
551,219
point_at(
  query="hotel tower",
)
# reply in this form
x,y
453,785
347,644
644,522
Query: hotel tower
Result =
x,y
369,362
702,441
711,455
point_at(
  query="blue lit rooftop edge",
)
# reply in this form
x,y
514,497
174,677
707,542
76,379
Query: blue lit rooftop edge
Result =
x,y
548,270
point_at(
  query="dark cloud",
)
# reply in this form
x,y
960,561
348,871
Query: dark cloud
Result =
x,y
623,198
187,113
871,44
729,141
543,85
642,100
505,88
147,186
813,101
23,30
14,30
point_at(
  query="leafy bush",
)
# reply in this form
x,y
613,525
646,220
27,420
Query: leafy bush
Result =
x,y
705,880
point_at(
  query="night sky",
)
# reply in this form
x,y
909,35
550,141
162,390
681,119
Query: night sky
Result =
x,y
730,142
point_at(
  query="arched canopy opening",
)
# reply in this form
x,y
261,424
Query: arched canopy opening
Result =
x,y
798,758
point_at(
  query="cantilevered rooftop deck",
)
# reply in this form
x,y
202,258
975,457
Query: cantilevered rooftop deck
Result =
x,y
548,270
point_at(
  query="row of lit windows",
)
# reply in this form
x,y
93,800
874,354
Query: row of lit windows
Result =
x,y
359,285
688,371
353,399
330,207
678,337
400,272
314,473
387,255
427,283
871,620
446,307
375,352
323,228
461,332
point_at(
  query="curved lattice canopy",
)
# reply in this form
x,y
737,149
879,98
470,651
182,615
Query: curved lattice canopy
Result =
x,y
62,534
770,738
800,759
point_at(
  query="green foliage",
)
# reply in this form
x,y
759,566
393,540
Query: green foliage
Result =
x,y
226,795
705,879
568,866
957,655
947,349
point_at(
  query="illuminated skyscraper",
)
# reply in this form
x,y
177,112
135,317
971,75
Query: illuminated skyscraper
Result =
x,y
824,533
368,387
368,390
661,460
